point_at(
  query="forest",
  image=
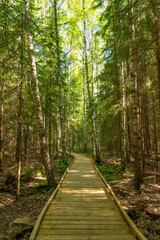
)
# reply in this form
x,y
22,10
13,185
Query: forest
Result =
x,y
79,76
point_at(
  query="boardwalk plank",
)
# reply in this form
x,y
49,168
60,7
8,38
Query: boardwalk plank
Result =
x,y
84,221
85,237
85,226
64,231
83,209
81,217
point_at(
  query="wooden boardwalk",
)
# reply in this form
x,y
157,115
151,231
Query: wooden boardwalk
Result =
x,y
83,209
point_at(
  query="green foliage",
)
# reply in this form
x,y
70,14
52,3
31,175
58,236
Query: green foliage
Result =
x,y
29,172
41,170
110,173
61,166
77,149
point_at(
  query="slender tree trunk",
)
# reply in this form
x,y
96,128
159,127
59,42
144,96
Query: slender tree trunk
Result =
x,y
92,91
41,131
50,135
68,112
130,150
1,126
124,120
91,100
84,110
59,82
135,108
155,19
57,133
20,120
155,135
26,132
147,126
97,82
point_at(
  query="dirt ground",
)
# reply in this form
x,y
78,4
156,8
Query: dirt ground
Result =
x,y
142,206
34,194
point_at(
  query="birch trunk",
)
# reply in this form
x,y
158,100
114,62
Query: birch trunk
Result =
x,y
91,100
84,109
41,131
59,83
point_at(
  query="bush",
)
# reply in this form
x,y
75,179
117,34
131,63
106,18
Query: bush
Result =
x,y
61,166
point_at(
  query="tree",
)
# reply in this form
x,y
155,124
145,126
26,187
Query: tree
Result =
x,y
90,98
38,110
59,82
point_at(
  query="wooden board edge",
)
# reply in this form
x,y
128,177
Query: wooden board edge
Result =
x,y
45,208
135,231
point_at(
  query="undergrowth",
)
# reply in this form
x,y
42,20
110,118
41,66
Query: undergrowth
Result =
x,y
112,172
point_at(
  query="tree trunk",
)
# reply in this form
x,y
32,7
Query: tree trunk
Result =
x,y
38,110
84,110
155,135
135,108
68,112
91,100
59,83
146,126
124,121
155,19
26,132
20,121
1,126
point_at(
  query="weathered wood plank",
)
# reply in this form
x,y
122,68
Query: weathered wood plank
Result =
x,y
84,226
84,199
85,237
83,231
84,221
82,212
82,204
81,217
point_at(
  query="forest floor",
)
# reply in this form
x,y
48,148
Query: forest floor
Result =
x,y
142,206
34,194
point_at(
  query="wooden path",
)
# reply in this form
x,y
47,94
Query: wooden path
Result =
x,y
83,207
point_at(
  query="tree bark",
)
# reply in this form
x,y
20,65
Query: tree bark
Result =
x,y
20,121
91,100
155,19
155,135
26,133
124,120
68,112
84,109
146,126
135,108
38,110
1,125
59,83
